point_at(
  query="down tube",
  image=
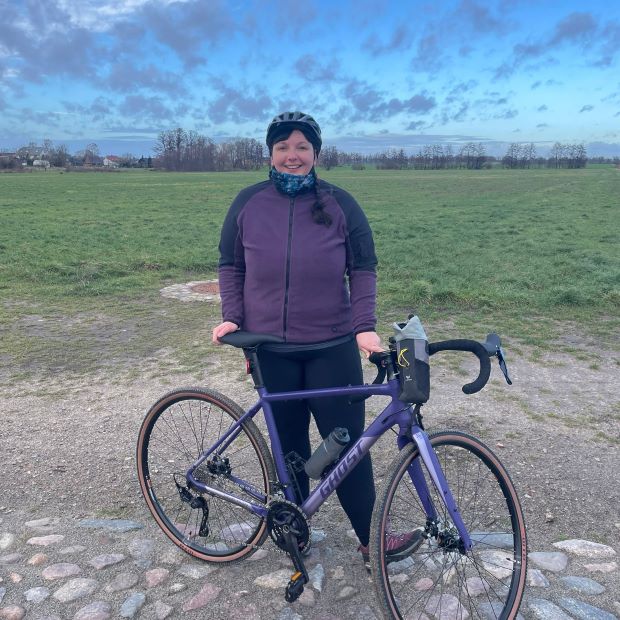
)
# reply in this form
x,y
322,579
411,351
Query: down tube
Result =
x,y
434,469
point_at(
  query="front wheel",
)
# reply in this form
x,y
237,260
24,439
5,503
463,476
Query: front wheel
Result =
x,y
176,431
440,578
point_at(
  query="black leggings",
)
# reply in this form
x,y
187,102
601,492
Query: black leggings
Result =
x,y
327,367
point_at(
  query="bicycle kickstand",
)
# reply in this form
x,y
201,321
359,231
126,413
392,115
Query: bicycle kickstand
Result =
x,y
300,577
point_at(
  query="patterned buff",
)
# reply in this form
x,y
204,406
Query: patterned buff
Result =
x,y
292,184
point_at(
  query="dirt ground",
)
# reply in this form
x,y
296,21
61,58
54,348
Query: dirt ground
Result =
x,y
67,442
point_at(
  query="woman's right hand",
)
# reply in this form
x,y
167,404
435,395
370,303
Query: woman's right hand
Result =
x,y
222,329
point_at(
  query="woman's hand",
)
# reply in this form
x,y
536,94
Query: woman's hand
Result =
x,y
369,342
222,329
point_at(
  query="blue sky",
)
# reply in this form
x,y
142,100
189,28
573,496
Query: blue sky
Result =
x,y
375,74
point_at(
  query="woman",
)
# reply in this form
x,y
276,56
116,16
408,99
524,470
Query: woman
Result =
x,y
297,260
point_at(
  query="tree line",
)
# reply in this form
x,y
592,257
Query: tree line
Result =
x,y
180,150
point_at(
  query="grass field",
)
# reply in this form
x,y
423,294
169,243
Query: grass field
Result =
x,y
83,256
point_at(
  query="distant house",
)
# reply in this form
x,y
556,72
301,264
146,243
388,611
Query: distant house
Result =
x,y
111,161
41,163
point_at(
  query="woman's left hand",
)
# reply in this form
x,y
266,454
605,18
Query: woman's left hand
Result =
x,y
369,342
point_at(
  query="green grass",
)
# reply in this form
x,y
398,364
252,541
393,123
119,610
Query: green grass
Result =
x,y
533,253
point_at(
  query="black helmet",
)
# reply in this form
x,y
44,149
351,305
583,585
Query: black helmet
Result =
x,y
288,121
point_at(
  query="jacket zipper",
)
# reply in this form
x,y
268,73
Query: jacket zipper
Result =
x,y
288,266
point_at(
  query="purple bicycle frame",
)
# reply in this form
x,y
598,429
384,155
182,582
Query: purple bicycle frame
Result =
x,y
396,412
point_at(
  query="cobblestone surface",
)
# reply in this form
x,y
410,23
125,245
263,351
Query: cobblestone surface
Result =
x,y
128,569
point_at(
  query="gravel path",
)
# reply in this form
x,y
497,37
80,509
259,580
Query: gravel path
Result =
x,y
76,540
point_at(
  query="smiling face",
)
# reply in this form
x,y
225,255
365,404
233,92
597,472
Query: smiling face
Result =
x,y
295,155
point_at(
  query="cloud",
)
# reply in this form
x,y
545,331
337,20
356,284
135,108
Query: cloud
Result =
x,y
586,108
398,42
98,110
542,108
311,69
428,54
579,27
479,17
125,77
239,105
141,107
576,29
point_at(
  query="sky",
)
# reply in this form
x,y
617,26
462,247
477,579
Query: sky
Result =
x,y
376,74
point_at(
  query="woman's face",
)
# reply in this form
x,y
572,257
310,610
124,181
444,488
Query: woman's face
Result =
x,y
295,155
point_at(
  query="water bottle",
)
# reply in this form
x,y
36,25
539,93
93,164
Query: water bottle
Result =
x,y
327,452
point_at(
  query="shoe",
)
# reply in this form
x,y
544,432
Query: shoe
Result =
x,y
398,546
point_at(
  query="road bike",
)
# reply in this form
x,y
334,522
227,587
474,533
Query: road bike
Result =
x,y
218,491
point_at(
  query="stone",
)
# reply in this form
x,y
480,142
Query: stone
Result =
x,y
208,593
493,539
317,576
275,580
12,612
98,610
132,605
107,559
162,611
586,549
583,585
45,541
421,585
245,612
545,610
603,567
110,525
36,595
492,611
2,593
497,563
141,550
16,577
346,593
122,581
536,578
195,572
583,611
400,578
338,572
446,607
175,588
288,614
46,524
38,559
10,558
400,567
307,598
72,549
317,536
475,586
76,589
6,540
60,571
261,554
156,577
549,560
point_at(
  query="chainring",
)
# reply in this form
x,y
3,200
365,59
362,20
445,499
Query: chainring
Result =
x,y
285,516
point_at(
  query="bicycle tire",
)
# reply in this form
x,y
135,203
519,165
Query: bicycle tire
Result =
x,y
175,431
435,580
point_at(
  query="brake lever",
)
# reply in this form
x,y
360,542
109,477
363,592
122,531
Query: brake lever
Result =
x,y
494,346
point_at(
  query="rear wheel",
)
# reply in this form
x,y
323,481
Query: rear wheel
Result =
x,y
440,579
175,432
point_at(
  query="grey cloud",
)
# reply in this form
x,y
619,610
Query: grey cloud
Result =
x,y
507,115
127,77
428,54
542,126
479,17
542,108
309,68
186,27
399,41
416,126
575,27
238,105
139,106
586,108
98,110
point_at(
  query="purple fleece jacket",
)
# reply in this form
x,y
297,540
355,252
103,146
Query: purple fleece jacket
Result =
x,y
281,273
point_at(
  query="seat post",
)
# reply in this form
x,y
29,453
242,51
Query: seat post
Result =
x,y
253,367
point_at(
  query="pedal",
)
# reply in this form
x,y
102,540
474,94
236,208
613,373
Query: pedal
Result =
x,y
295,587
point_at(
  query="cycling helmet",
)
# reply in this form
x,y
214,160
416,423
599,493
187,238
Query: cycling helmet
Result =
x,y
282,125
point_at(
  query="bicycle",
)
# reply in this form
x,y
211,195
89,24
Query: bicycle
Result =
x,y
217,491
